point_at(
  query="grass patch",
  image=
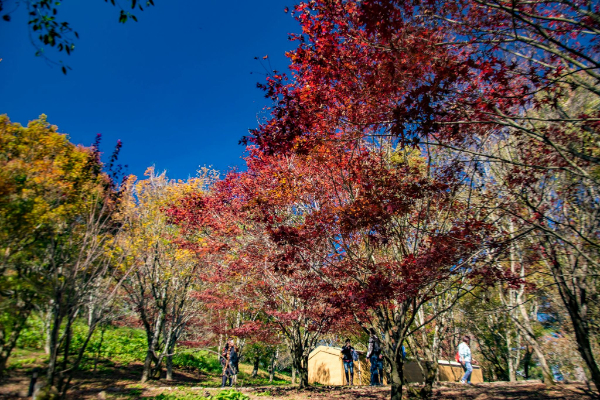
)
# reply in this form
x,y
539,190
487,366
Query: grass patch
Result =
x,y
230,394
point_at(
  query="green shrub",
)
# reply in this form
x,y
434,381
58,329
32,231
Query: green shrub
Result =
x,y
198,360
120,344
111,344
123,345
21,363
32,336
230,394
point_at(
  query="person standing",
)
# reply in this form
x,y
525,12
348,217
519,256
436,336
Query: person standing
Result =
x,y
226,363
464,355
234,359
376,359
348,360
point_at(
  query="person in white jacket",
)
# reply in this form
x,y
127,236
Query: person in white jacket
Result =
x,y
464,353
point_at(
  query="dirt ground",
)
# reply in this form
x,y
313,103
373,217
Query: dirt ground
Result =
x,y
484,391
122,384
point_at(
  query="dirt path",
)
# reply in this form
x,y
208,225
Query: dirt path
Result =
x,y
485,391
122,384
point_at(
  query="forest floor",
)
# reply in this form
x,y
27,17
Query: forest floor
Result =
x,y
121,382
124,385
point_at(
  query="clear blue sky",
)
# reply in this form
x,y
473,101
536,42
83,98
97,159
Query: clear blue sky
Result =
x,y
178,87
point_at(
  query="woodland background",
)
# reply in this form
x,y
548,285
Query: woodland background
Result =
x,y
426,168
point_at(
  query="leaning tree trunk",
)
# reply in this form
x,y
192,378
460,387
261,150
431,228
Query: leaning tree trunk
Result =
x,y
7,344
523,324
527,331
66,384
582,335
152,346
575,300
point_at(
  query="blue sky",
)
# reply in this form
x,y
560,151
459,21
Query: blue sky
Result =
x,y
178,87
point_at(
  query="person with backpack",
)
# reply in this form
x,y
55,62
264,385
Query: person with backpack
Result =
x,y
376,358
348,354
464,357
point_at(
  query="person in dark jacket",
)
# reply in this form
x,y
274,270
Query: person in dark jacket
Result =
x,y
234,359
226,363
348,360
376,359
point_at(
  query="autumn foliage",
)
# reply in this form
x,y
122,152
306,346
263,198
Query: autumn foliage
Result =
x,y
424,167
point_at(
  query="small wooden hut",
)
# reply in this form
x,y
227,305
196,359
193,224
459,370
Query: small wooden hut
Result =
x,y
451,371
325,367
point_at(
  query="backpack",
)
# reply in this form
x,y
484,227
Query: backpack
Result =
x,y
354,355
457,356
376,346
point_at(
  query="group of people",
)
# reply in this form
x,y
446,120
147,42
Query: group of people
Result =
x,y
349,356
230,359
375,357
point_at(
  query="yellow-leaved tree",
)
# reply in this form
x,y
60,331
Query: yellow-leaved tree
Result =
x,y
56,232
165,275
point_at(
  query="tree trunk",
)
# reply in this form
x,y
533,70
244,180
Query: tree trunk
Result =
x,y
67,374
272,366
170,350
7,344
91,310
99,352
150,357
575,301
62,378
293,375
53,342
512,370
255,369
397,376
582,335
514,299
531,339
47,325
301,366
431,369
3,361
147,366
170,367
526,362
303,376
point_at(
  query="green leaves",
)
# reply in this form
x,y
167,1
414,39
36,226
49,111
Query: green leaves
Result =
x,y
230,394
44,20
